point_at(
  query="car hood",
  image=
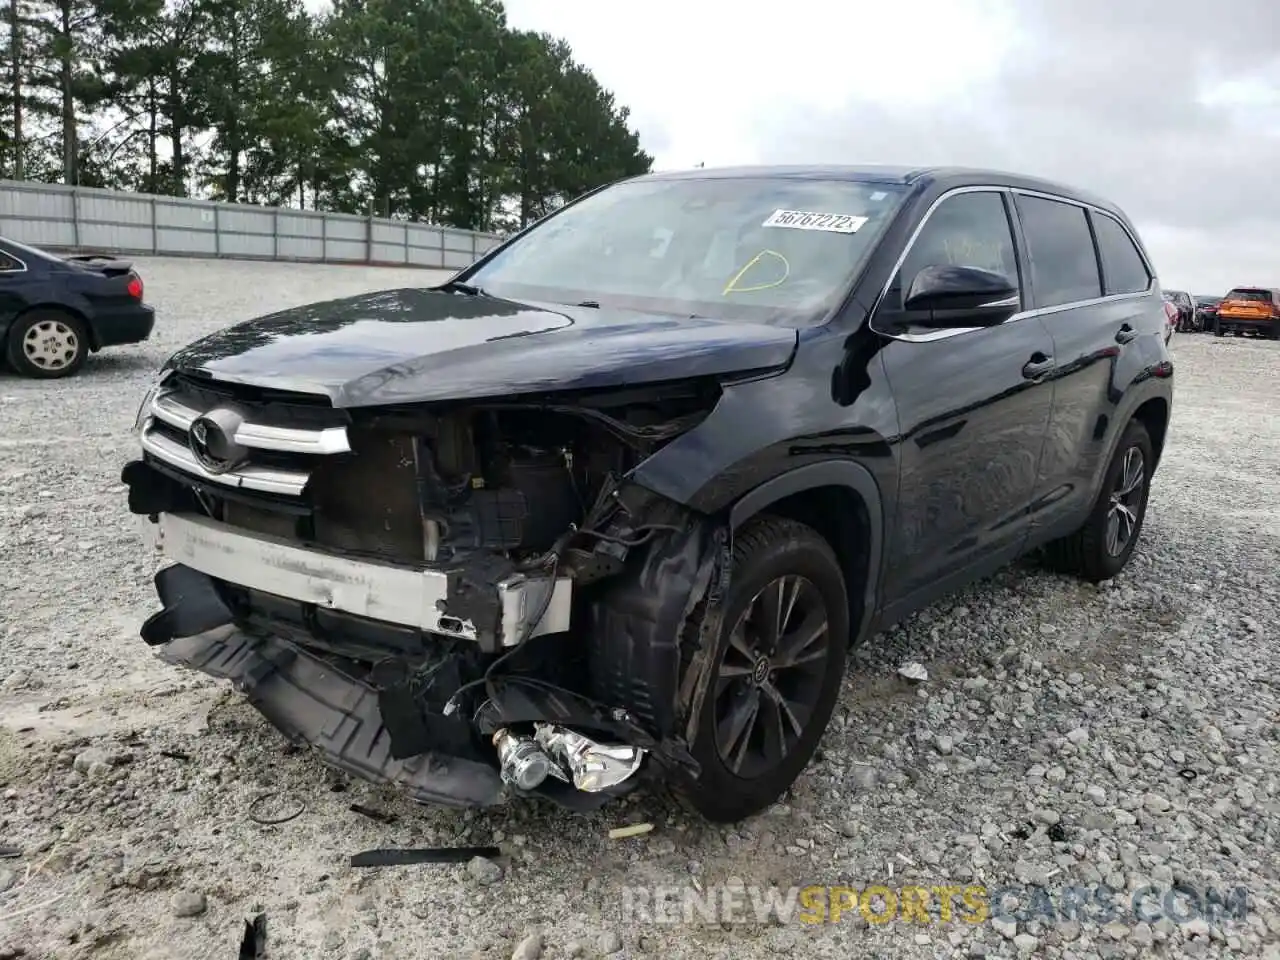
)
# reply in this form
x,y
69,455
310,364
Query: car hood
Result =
x,y
419,345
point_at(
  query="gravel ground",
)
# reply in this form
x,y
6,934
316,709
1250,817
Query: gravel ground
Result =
x,y
1123,737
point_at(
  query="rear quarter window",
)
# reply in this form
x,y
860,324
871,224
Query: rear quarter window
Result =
x,y
1064,264
1123,268
8,264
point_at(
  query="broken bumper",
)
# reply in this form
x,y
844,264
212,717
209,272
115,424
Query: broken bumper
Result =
x,y
401,595
343,716
311,703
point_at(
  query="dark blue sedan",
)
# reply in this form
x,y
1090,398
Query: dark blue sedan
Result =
x,y
54,310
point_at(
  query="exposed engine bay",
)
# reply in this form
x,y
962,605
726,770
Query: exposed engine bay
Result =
x,y
450,597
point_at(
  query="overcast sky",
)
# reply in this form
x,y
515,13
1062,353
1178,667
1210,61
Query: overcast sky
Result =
x,y
1169,108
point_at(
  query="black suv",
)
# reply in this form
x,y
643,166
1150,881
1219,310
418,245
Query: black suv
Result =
x,y
613,503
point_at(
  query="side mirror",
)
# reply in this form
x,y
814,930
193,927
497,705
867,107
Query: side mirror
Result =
x,y
962,297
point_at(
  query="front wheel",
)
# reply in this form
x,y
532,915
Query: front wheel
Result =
x,y
777,669
47,344
1101,548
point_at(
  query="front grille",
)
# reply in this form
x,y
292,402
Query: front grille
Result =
x,y
281,436
358,487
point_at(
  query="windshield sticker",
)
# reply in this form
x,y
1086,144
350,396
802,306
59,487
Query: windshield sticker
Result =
x,y
804,220
878,196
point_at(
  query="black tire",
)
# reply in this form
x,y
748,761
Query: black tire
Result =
x,y
1090,553
1217,329
47,344
791,558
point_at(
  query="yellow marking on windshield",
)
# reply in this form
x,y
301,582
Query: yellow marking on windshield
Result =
x,y
732,285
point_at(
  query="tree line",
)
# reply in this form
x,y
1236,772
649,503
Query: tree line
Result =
x,y
430,110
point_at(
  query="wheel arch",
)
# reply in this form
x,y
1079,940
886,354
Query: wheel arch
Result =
x,y
840,500
1153,414
55,306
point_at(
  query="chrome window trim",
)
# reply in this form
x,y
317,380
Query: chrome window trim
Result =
x,y
16,259
933,335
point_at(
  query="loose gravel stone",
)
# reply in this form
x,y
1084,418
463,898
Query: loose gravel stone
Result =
x,y
484,871
610,942
189,904
530,948
1169,670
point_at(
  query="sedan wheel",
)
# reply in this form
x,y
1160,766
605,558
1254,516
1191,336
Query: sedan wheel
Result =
x,y
47,344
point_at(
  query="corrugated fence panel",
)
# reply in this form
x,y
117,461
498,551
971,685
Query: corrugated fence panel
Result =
x,y
388,253
106,208
39,233
86,218
31,201
234,219
384,232
117,236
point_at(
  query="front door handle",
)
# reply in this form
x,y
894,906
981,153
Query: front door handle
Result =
x,y
1125,334
1037,366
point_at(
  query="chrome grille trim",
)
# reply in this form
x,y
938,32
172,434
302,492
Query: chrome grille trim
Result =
x,y
171,411
248,477
328,440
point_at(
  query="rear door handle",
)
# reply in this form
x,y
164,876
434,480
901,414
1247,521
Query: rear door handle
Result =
x,y
1037,366
1125,334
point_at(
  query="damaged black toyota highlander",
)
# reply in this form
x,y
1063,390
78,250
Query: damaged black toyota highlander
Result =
x,y
612,503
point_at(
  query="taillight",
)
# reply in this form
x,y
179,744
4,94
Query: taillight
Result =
x,y
135,286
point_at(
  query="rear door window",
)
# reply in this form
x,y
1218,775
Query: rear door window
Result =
x,y
1123,268
1064,263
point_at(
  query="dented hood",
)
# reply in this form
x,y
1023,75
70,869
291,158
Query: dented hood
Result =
x,y
417,345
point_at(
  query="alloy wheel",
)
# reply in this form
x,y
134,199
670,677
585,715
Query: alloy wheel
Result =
x,y
770,676
1126,501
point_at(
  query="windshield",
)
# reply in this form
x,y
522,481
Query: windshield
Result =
x,y
771,250
22,250
1245,293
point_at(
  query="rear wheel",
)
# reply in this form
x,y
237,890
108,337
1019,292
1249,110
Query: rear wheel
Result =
x,y
1101,548
47,344
779,661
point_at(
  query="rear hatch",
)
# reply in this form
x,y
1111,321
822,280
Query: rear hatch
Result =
x,y
1247,303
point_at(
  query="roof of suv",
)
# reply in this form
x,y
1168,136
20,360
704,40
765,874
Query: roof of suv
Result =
x,y
911,176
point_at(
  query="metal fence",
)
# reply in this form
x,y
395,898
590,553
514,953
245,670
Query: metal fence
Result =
x,y
89,219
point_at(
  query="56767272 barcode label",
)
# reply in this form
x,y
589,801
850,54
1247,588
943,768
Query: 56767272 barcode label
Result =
x,y
805,220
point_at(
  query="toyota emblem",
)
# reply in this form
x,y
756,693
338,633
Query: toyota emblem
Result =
x,y
212,441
